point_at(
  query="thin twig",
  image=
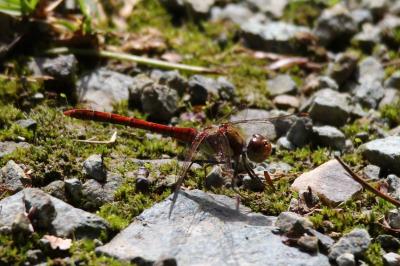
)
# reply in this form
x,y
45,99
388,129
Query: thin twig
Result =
x,y
366,185
135,58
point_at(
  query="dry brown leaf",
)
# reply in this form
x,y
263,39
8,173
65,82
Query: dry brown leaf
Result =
x,y
150,40
57,242
172,57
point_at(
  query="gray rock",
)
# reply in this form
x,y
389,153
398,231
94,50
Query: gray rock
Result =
x,y
170,78
330,107
383,152
215,178
269,7
281,84
325,242
300,132
200,221
368,37
8,147
335,26
62,68
139,83
278,168
369,93
371,172
96,194
393,81
390,97
292,223
22,225
267,129
377,7
356,242
27,123
196,8
73,188
315,83
346,259
237,13
56,189
284,143
361,16
51,214
34,256
13,177
330,182
102,88
226,90
308,243
94,167
391,259
159,101
329,136
388,242
394,185
370,70
201,88
343,67
276,37
393,218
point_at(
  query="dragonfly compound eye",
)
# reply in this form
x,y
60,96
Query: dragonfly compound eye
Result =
x,y
259,148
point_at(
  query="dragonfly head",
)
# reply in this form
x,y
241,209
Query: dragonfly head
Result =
x,y
258,148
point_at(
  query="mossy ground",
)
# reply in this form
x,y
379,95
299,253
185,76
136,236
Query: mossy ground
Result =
x,y
56,155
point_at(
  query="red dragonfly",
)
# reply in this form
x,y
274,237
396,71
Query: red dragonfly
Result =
x,y
224,142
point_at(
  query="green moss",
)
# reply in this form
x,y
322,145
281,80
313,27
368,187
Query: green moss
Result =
x,y
373,255
303,12
13,249
8,114
392,113
84,252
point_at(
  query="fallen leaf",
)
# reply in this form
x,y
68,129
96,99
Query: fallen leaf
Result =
x,y
57,242
172,57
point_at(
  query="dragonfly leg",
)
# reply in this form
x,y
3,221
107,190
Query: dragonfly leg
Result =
x,y
251,173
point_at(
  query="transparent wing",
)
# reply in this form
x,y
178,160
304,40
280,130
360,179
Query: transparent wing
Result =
x,y
224,152
186,165
266,120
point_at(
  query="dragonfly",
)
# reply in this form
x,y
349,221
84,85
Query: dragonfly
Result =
x,y
224,142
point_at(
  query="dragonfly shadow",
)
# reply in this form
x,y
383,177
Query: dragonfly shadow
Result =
x,y
224,209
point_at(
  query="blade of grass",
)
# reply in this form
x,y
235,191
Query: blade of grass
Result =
x,y
136,59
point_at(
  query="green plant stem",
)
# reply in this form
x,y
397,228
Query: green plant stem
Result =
x,y
134,58
365,185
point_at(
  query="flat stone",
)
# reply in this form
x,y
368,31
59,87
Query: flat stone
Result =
x,y
54,215
371,172
370,70
329,136
356,242
299,134
330,182
200,221
290,222
56,189
286,102
27,123
96,194
269,7
237,13
189,7
329,107
346,259
276,37
13,177
102,88
391,259
8,147
281,84
384,153
369,93
94,167
335,26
